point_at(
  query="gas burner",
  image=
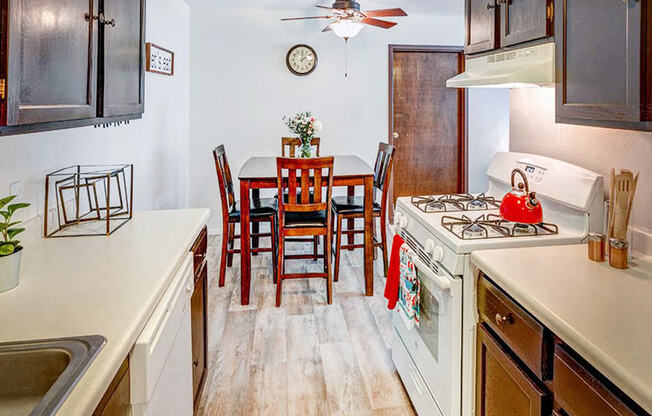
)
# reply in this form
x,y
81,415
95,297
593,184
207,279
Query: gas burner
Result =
x,y
454,203
492,226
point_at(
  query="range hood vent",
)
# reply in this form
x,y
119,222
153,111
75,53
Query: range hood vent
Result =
x,y
527,67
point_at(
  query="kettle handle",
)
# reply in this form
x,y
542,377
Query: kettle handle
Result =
x,y
527,185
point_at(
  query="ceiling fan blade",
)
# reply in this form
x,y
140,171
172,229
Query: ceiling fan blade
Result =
x,y
324,7
305,18
385,13
378,23
327,29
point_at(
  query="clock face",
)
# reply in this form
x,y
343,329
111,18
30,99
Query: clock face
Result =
x,y
301,60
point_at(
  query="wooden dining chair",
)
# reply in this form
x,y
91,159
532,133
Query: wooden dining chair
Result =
x,y
292,143
351,207
261,210
304,213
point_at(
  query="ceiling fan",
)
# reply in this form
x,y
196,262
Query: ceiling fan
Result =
x,y
349,19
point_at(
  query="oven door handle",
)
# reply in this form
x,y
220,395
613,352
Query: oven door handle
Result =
x,y
441,282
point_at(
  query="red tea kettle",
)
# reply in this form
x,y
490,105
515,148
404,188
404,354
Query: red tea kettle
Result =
x,y
520,205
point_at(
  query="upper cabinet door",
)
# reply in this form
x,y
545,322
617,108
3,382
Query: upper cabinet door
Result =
x,y
49,57
481,17
123,84
524,20
598,47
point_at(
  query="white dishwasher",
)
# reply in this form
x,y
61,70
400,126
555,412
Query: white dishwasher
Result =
x,y
161,360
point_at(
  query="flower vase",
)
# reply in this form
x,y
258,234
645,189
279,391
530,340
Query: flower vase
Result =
x,y
306,148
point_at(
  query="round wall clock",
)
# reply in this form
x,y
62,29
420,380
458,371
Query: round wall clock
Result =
x,y
301,60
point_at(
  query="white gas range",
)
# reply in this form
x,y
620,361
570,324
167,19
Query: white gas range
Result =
x,y
436,360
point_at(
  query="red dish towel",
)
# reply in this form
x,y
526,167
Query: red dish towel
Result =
x,y
394,272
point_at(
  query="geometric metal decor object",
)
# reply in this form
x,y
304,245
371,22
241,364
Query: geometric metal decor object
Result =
x,y
90,200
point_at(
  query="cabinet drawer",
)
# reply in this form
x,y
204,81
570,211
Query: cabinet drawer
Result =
x,y
199,251
578,392
524,335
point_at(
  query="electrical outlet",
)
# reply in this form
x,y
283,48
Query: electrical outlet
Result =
x,y
17,188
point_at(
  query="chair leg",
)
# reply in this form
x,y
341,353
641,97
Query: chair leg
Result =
x,y
338,248
272,226
329,274
373,227
231,240
279,269
383,236
224,258
315,244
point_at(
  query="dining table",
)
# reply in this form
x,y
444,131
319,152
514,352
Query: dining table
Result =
x,y
260,173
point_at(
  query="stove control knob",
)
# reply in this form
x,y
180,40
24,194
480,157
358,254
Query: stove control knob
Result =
x,y
397,221
438,254
403,223
430,246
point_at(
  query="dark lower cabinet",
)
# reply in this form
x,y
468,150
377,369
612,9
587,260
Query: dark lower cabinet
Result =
x,y
603,67
481,26
123,63
525,20
116,399
503,387
199,316
49,61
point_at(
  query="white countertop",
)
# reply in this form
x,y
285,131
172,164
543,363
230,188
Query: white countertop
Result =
x,y
98,286
604,314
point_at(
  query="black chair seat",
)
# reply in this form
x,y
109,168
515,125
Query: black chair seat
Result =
x,y
351,205
263,207
305,219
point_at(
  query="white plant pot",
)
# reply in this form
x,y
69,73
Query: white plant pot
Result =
x,y
10,271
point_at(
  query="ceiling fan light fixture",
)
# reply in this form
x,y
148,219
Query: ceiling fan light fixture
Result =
x,y
346,29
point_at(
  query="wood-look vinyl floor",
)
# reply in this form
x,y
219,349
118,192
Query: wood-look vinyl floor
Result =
x,y
306,357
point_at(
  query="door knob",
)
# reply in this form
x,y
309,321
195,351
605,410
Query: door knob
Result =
x,y
395,136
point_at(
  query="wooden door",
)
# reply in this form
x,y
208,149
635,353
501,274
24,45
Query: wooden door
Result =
x,y
502,387
123,82
48,58
524,20
427,121
481,26
598,46
198,320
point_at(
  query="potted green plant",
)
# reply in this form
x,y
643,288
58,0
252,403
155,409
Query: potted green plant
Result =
x,y
10,248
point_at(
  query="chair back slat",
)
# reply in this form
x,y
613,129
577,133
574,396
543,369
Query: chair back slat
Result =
x,y
306,175
224,179
292,143
383,166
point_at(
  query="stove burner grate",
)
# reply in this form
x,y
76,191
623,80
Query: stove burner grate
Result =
x,y
489,226
453,203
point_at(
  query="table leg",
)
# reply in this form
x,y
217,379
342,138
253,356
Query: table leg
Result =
x,y
255,226
245,258
350,224
369,236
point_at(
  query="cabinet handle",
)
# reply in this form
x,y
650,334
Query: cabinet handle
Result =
x,y
491,6
502,320
195,363
100,19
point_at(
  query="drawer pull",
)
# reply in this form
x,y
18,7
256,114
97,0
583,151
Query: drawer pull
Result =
x,y
195,363
502,320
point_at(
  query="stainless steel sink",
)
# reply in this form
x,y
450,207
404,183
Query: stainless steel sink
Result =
x,y
37,376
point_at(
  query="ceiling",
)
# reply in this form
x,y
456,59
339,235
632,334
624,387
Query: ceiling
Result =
x,y
441,7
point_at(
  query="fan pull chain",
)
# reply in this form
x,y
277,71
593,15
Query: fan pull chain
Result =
x,y
346,57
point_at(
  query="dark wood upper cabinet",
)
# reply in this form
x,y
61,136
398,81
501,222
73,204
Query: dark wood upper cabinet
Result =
x,y
481,26
49,59
123,63
524,20
68,63
603,67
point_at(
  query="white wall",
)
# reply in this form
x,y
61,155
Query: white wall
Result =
x,y
533,130
157,145
240,86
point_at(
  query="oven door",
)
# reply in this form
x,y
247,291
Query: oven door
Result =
x,y
435,345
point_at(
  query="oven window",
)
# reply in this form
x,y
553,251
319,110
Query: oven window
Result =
x,y
428,327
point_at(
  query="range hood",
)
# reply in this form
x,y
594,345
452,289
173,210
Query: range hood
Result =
x,y
526,67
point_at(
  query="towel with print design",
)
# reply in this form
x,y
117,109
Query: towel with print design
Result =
x,y
409,288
